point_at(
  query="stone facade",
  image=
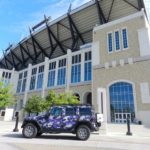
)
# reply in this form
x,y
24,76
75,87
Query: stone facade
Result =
x,y
125,65
130,65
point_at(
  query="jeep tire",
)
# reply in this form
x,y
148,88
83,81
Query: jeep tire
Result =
x,y
29,130
83,132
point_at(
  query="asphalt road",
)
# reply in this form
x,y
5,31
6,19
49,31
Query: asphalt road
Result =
x,y
15,141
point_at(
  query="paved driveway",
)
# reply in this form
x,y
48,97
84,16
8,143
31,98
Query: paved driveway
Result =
x,y
14,141
69,142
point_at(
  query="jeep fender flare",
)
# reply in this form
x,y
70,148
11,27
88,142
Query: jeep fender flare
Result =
x,y
39,128
86,123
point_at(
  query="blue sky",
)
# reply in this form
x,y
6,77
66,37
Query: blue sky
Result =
x,y
18,15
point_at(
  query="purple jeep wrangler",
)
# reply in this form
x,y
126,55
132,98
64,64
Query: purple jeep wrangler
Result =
x,y
77,119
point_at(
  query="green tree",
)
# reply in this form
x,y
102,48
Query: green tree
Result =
x,y
61,99
6,95
51,98
35,104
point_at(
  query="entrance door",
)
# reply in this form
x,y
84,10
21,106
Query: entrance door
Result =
x,y
121,102
122,117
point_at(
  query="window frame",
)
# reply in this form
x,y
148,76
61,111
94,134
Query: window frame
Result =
x,y
40,75
54,108
52,69
61,74
86,62
122,39
74,111
34,74
85,113
74,66
109,52
115,45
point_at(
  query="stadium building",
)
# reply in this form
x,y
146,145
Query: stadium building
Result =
x,y
99,51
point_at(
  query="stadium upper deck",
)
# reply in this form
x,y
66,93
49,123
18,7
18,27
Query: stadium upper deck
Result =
x,y
69,31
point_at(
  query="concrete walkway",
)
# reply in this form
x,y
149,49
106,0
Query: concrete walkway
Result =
x,y
8,147
116,139
112,129
6,127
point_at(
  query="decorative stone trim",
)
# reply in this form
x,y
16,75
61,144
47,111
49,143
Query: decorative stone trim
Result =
x,y
114,63
121,62
130,61
106,65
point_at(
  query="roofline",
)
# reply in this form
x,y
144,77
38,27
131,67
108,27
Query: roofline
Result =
x,y
90,3
123,19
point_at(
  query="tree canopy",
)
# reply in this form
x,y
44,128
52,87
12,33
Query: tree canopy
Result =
x,y
36,104
61,99
6,95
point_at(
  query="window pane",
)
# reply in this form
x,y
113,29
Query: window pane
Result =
x,y
40,81
85,111
110,42
87,71
23,85
124,37
32,83
61,76
117,40
76,73
19,86
56,112
70,111
51,78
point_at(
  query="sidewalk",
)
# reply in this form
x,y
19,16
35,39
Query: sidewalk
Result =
x,y
8,126
112,129
114,140
121,129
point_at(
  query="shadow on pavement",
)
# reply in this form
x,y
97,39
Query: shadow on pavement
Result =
x,y
13,135
45,136
61,137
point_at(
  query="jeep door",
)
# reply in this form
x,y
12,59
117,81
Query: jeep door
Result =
x,y
55,119
69,118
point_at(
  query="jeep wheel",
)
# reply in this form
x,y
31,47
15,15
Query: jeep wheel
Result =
x,y
29,131
83,132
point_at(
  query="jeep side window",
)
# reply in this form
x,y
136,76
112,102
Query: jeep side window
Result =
x,y
70,111
56,112
85,111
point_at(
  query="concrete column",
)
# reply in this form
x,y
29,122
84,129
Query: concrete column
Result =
x,y
144,41
45,77
13,79
82,67
56,73
27,83
95,53
68,69
12,75
36,78
1,71
102,107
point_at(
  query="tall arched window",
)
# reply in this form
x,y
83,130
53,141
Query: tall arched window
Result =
x,y
121,102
